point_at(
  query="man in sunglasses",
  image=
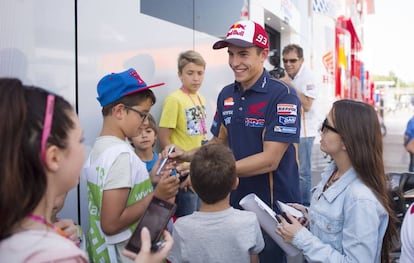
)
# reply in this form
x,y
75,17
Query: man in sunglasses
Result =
x,y
303,82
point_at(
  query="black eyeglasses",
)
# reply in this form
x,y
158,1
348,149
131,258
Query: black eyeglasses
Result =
x,y
142,114
327,126
291,61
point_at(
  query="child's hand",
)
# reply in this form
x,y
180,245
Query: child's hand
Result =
x,y
154,177
145,254
183,168
70,229
167,186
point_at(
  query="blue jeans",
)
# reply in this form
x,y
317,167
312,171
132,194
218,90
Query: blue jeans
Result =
x,y
411,166
305,171
271,253
187,202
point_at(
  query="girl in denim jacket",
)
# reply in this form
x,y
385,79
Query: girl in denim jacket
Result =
x,y
350,216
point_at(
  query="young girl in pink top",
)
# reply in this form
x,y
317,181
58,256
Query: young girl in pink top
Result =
x,y
41,158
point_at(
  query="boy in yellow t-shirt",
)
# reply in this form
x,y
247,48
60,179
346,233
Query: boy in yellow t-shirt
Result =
x,y
183,120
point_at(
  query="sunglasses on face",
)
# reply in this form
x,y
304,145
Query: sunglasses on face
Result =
x,y
291,61
325,126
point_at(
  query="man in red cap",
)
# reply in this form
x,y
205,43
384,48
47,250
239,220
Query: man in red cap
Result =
x,y
259,118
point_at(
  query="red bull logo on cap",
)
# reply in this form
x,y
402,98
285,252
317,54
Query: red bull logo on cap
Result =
x,y
238,26
236,29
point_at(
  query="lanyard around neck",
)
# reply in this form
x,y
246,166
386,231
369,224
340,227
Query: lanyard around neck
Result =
x,y
46,223
191,98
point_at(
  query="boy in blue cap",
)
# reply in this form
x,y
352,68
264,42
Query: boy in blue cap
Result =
x,y
119,186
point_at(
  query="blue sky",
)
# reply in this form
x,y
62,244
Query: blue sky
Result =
x,y
389,39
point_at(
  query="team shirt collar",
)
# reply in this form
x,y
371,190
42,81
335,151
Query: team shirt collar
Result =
x,y
259,86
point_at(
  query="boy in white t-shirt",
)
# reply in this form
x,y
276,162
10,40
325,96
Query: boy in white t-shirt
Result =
x,y
119,186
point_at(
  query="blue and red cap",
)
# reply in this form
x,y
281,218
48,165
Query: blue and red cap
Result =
x,y
114,86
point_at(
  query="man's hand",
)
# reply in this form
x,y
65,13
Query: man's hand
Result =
x,y
178,155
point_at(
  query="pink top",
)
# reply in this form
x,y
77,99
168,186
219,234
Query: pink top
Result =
x,y
40,246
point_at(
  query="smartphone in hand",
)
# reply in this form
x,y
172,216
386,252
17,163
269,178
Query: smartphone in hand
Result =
x,y
164,161
183,177
293,211
282,208
155,218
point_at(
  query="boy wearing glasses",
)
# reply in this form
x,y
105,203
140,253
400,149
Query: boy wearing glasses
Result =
x,y
119,186
302,80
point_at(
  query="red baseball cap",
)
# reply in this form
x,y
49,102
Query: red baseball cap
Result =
x,y
244,33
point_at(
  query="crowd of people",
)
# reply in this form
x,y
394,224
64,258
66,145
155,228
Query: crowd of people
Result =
x,y
262,136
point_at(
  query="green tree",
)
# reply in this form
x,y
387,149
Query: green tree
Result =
x,y
392,77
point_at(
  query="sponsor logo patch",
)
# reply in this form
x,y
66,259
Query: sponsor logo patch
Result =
x,y
253,122
227,121
228,102
310,87
256,109
287,119
287,109
284,129
227,112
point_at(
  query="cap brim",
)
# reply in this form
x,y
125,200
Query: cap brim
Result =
x,y
155,85
236,42
147,87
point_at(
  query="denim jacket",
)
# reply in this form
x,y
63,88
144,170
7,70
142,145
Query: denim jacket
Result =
x,y
347,222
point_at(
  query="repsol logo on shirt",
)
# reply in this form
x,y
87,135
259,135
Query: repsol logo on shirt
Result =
x,y
287,109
